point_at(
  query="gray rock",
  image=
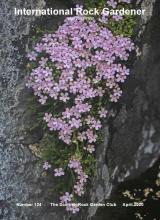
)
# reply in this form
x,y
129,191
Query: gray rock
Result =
x,y
21,177
134,133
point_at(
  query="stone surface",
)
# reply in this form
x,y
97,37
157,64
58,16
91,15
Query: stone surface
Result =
x,y
135,136
134,133
21,177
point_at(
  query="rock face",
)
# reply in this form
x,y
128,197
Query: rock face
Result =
x,y
135,144
132,142
21,176
135,139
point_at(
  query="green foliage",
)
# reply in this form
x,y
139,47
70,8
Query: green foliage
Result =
x,y
35,114
89,163
58,154
124,27
95,3
37,35
55,151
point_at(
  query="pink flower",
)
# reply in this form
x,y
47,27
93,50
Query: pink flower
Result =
x,y
47,117
43,61
90,148
72,208
79,189
96,125
64,97
81,136
112,3
46,165
117,17
74,164
58,172
75,123
32,56
91,136
66,198
102,113
67,113
39,47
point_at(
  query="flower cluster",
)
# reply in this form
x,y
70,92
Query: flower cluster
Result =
x,y
58,172
46,165
78,66
67,200
113,4
81,176
75,48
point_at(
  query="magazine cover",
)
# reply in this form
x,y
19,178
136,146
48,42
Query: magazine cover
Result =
x,y
80,109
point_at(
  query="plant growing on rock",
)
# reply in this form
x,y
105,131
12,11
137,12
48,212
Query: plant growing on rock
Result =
x,y
78,70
